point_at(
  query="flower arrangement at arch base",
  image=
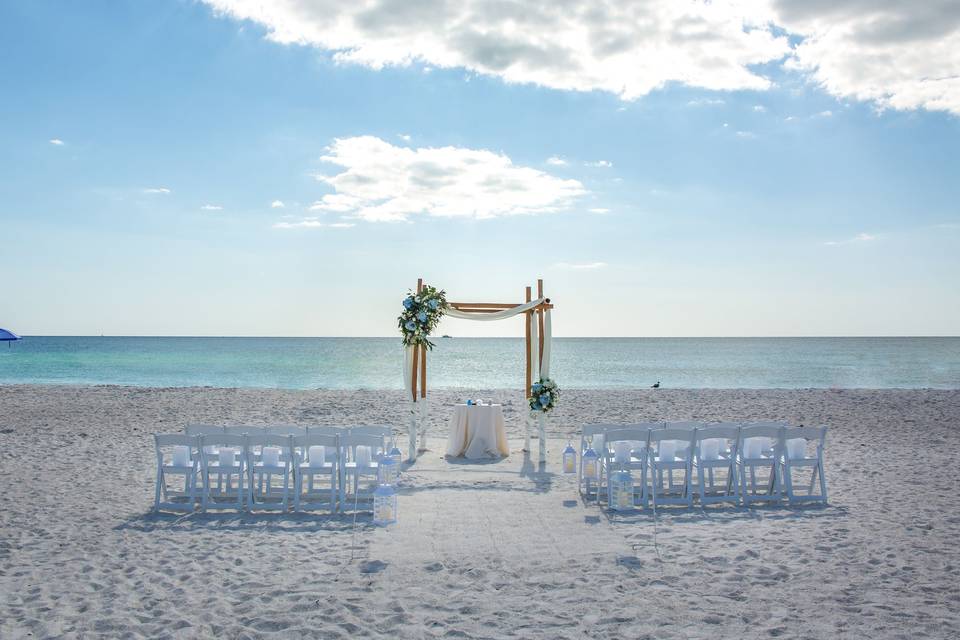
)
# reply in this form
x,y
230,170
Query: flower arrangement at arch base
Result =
x,y
421,315
544,395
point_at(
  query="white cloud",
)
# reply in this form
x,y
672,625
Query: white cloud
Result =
x,y
605,164
577,266
901,54
405,137
312,223
382,182
825,114
160,190
557,161
626,48
749,135
56,142
860,237
211,207
706,102
277,204
759,108
599,210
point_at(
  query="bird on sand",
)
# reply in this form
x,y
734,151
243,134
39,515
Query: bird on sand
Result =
x,y
655,385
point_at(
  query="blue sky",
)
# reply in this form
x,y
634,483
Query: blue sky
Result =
x,y
146,146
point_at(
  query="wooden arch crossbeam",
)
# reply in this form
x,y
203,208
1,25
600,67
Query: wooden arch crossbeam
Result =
x,y
418,381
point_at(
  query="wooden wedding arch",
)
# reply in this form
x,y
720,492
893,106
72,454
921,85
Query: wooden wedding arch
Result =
x,y
537,322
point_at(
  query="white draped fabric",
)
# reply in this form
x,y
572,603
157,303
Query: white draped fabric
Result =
x,y
541,368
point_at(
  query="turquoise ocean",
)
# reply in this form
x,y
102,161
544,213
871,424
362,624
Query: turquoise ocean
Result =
x,y
485,363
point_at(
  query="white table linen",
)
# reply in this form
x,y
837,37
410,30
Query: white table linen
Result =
x,y
477,431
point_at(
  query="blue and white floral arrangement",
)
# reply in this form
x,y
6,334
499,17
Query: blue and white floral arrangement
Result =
x,y
544,395
421,315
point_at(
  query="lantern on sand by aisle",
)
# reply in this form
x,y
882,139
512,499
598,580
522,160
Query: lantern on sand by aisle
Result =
x,y
387,470
384,505
569,460
621,490
589,467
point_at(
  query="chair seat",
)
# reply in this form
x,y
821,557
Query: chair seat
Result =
x,y
353,465
263,468
324,467
171,468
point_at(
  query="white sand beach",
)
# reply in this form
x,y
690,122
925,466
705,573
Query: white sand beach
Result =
x,y
481,550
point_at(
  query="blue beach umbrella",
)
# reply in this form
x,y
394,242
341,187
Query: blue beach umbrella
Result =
x,y
8,336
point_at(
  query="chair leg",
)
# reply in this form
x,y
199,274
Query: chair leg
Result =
x,y
823,480
156,497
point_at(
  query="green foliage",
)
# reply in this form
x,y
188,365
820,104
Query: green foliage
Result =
x,y
421,315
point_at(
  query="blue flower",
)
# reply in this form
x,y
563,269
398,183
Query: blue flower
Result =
x,y
408,303
422,316
545,399
410,325
433,304
536,387
535,404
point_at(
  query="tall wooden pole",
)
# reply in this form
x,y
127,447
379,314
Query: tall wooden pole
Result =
x,y
540,324
527,318
419,353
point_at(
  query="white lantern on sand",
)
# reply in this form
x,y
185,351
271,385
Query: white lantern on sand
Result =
x,y
621,490
569,460
589,467
384,505
387,470
396,456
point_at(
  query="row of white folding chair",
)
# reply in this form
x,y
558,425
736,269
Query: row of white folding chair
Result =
x,y
726,442
339,460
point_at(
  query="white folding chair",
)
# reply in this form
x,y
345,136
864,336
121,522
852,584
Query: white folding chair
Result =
x,y
635,436
795,449
715,460
269,457
177,455
385,432
686,425
767,442
356,466
321,458
760,447
669,451
227,463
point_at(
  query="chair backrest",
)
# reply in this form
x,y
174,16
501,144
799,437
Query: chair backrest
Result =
x,y
203,429
772,432
259,440
725,430
223,440
684,424
682,435
350,442
630,433
372,430
166,441
329,441
286,430
590,430
244,429
325,429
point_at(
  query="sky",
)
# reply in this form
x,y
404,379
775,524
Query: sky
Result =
x,y
235,167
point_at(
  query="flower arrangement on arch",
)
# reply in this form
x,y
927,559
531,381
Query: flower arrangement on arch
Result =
x,y
421,315
544,395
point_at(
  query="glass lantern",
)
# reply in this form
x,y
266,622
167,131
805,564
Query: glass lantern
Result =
x,y
569,460
621,490
396,456
384,505
589,467
387,471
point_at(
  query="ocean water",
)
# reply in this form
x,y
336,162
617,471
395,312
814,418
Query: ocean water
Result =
x,y
486,363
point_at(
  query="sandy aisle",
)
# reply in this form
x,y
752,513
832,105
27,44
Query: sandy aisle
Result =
x,y
482,551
